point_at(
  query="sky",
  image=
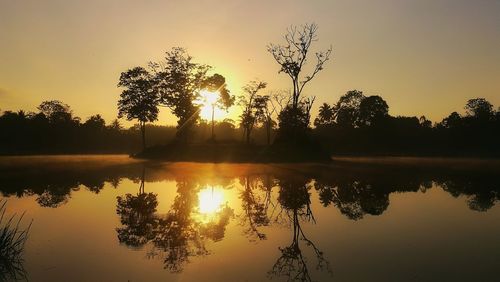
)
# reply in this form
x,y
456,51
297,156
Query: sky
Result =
x,y
424,57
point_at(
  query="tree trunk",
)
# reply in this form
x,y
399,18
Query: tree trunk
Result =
x,y
268,129
141,188
143,131
244,134
213,124
248,136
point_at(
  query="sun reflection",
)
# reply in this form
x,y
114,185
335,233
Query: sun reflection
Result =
x,y
210,200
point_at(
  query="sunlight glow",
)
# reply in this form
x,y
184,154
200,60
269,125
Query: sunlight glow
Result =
x,y
209,97
210,200
207,100
206,113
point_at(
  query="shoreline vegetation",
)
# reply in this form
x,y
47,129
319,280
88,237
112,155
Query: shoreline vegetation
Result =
x,y
274,126
13,237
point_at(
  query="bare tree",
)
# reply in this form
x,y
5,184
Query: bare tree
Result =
x,y
280,98
292,57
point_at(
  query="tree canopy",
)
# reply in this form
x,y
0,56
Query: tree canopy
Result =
x,y
179,80
139,99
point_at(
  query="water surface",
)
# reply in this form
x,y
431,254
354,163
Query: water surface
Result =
x,y
109,218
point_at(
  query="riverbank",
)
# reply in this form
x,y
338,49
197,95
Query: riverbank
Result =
x,y
430,162
234,153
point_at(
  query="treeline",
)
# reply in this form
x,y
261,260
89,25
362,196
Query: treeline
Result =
x,y
355,125
361,125
53,129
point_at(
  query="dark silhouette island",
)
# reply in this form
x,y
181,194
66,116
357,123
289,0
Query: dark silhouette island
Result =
x,y
184,86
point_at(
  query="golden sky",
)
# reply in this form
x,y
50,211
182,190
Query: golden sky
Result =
x,y
424,56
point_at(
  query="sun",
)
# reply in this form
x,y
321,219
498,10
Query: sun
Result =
x,y
209,97
208,102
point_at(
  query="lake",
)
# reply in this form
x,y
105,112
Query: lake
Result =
x,y
110,218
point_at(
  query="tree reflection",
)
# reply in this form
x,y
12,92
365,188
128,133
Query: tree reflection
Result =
x,y
354,198
179,234
295,201
182,233
293,206
355,191
53,196
137,215
481,194
254,205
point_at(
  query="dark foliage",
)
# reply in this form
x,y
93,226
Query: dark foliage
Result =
x,y
61,132
35,133
139,100
359,125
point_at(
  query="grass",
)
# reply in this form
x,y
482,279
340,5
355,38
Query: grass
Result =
x,y
12,240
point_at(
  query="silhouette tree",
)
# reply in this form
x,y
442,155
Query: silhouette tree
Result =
x,y
139,100
325,116
346,110
115,125
479,108
372,109
56,111
292,57
217,84
294,123
95,122
179,80
424,122
253,106
265,114
454,120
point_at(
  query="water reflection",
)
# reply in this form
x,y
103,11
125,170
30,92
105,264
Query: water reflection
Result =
x,y
295,202
292,206
183,231
137,216
355,191
267,197
256,200
197,215
210,200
